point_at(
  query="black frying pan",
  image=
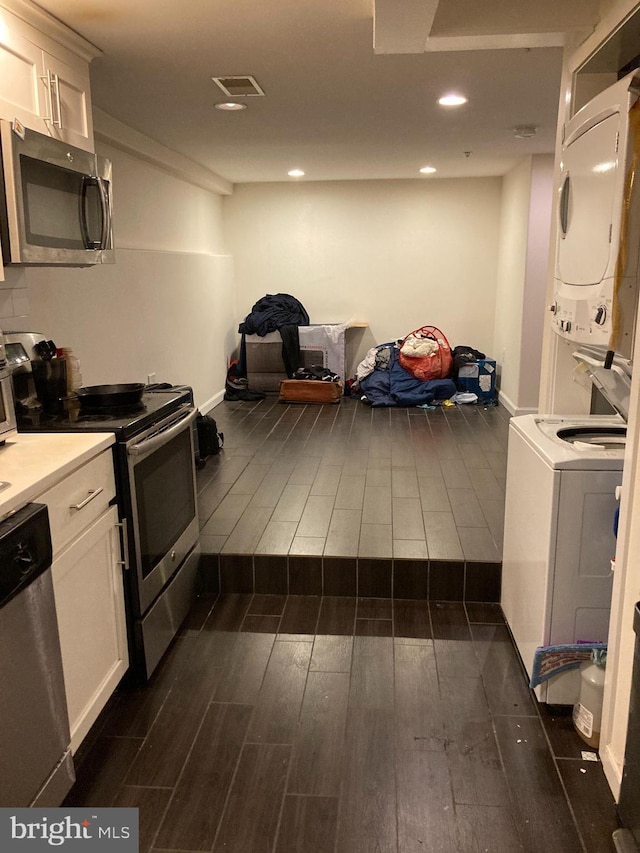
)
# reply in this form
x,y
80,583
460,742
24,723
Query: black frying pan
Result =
x,y
98,396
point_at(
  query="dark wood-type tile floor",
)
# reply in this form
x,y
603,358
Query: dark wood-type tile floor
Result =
x,y
298,487
351,481
306,724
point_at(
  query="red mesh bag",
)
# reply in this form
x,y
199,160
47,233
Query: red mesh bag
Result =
x,y
426,354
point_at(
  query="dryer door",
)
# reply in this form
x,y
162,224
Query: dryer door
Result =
x,y
586,254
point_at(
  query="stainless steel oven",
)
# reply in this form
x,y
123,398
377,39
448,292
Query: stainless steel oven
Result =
x,y
156,494
164,532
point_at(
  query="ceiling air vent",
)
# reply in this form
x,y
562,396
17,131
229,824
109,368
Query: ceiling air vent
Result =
x,y
239,86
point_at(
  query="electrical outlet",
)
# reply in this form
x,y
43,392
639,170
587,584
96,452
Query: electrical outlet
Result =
x,y
151,378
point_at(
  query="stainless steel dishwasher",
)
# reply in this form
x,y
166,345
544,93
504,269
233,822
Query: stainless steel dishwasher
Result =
x,y
36,766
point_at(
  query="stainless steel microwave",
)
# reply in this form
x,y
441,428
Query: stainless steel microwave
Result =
x,y
55,202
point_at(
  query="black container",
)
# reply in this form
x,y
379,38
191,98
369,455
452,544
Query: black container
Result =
x,y
50,379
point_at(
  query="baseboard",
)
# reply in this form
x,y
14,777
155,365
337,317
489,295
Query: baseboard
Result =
x,y
211,402
612,771
513,409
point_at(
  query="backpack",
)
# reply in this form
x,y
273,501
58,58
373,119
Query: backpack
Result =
x,y
209,439
426,354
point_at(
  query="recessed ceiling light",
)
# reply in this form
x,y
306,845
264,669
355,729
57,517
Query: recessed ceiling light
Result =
x,y
230,106
295,173
452,100
428,170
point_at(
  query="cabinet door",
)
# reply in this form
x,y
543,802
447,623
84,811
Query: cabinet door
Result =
x,y
87,582
68,90
80,499
21,92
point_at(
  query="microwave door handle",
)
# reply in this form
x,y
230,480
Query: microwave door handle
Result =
x,y
106,213
87,181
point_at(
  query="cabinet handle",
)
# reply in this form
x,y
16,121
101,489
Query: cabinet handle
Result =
x,y
93,493
125,544
56,120
51,82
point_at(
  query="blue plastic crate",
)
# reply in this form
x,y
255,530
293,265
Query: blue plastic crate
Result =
x,y
479,377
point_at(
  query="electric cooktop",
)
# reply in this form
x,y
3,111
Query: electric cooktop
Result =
x,y
125,421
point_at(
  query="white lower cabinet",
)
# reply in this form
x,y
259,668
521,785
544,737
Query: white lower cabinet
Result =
x,y
87,582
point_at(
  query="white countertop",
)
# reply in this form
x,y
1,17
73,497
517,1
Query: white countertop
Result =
x,y
33,462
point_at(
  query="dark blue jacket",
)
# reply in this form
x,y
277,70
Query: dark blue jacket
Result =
x,y
273,311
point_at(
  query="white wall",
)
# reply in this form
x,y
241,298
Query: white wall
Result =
x,y
154,210
522,279
514,228
166,306
397,254
535,307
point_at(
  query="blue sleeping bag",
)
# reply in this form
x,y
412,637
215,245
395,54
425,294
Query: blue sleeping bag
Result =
x,y
395,386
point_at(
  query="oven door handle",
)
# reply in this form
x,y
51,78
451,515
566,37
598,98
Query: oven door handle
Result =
x,y
156,441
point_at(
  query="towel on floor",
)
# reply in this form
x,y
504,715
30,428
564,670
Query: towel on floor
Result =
x,y
551,660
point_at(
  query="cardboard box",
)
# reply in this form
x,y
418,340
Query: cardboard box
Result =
x,y
309,391
479,377
329,345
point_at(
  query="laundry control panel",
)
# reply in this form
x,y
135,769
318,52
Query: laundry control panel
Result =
x,y
582,321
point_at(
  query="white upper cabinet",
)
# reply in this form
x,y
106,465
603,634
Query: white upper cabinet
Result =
x,y
69,102
21,93
44,74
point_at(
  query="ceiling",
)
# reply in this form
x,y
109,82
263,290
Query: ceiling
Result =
x,y
350,85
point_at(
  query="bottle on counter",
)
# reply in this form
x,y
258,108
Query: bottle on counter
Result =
x,y
587,712
74,377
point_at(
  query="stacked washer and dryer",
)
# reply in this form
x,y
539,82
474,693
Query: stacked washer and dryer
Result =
x,y
563,471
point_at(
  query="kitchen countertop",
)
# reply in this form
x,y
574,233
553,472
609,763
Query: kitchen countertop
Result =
x,y
33,462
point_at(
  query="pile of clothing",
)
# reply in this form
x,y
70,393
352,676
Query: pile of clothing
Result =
x,y
276,312
316,372
382,381
273,312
